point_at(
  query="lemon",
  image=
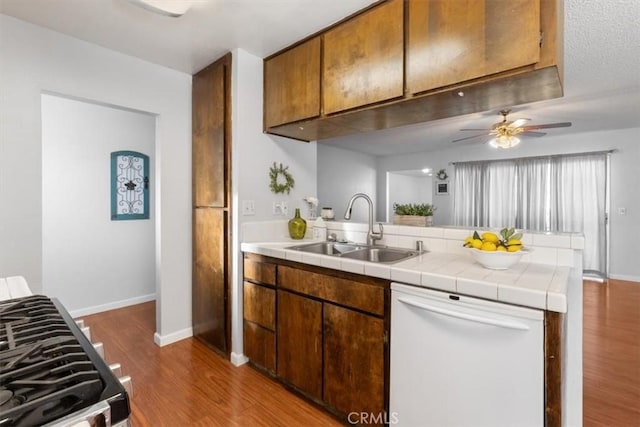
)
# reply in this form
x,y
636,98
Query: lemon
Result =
x,y
488,246
490,237
514,242
501,248
514,248
467,242
476,243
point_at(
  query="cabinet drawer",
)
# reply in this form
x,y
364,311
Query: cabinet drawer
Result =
x,y
346,292
260,345
260,272
260,305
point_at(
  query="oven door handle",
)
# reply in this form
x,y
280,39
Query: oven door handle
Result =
x,y
95,415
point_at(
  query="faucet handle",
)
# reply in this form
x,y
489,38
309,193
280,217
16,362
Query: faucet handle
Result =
x,y
378,235
333,237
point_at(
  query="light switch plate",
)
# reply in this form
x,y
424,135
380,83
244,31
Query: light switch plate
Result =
x,y
248,207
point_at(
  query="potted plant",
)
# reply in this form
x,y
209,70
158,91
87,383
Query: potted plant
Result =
x,y
413,214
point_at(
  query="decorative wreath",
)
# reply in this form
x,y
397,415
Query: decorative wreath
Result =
x,y
274,172
442,175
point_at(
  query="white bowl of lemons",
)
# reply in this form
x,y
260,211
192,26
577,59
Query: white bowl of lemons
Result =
x,y
496,252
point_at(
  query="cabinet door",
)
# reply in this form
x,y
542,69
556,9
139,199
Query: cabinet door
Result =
x,y
453,41
210,134
354,361
300,342
363,59
292,84
209,277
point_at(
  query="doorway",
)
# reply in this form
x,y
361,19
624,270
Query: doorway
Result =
x,y
89,262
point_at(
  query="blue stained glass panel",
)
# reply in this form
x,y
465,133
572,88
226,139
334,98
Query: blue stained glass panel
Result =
x,y
129,185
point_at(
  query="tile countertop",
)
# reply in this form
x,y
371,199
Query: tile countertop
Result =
x,y
528,284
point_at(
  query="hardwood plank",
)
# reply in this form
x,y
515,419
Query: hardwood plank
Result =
x,y
186,384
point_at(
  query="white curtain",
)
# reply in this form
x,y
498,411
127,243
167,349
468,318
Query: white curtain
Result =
x,y
555,193
484,194
580,203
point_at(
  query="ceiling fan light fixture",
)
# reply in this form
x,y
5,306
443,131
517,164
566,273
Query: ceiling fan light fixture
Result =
x,y
172,8
504,141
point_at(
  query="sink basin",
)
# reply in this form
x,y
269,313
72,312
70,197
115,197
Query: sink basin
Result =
x,y
327,248
381,255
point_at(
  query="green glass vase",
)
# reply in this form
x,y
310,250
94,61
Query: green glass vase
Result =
x,y
297,226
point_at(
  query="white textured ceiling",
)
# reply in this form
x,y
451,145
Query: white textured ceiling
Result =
x,y
602,54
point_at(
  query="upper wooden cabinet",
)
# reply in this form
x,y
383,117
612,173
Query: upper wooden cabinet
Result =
x,y
364,59
454,41
292,84
401,62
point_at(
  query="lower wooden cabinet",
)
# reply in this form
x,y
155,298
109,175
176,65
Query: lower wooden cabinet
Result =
x,y
300,342
353,352
259,307
259,325
324,334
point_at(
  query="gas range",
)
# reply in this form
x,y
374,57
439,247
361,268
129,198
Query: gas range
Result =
x,y
50,374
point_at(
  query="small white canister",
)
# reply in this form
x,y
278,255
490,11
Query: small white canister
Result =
x,y
327,213
319,229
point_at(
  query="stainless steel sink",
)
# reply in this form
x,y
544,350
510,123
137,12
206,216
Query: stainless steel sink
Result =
x,y
327,248
381,255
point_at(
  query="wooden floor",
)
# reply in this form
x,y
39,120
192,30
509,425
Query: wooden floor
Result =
x,y
611,354
186,384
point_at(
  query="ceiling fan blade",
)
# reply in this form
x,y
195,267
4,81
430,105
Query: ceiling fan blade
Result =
x,y
547,126
518,123
469,137
478,130
531,133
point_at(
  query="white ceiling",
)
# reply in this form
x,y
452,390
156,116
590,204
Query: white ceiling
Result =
x,y
602,54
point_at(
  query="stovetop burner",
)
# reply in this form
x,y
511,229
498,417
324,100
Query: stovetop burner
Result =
x,y
48,369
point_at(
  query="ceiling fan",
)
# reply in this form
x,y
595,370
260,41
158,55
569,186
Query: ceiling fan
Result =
x,y
504,132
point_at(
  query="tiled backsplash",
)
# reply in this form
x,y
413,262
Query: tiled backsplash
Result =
x,y
563,249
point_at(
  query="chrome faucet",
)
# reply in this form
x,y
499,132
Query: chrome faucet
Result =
x,y
371,235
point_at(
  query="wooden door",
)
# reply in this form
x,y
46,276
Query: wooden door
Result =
x,y
210,134
299,359
209,277
454,41
364,59
354,360
211,181
292,84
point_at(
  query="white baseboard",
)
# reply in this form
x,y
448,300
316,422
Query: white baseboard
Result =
x,y
112,305
162,340
238,359
625,277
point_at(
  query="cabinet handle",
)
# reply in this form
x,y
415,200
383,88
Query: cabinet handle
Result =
x,y
466,316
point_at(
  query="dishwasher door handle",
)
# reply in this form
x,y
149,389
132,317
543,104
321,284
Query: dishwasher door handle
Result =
x,y
466,316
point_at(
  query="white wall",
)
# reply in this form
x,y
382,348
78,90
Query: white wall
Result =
x,y
253,152
625,181
404,189
37,60
90,262
343,173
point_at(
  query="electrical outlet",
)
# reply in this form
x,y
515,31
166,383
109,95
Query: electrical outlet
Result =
x,y
248,207
277,209
284,206
622,211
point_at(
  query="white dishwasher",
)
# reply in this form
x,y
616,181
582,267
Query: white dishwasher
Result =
x,y
464,362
